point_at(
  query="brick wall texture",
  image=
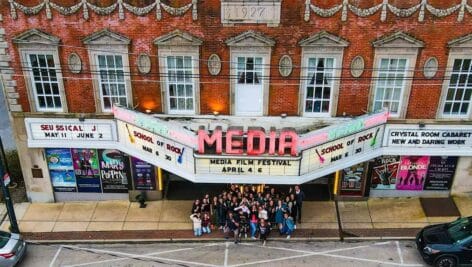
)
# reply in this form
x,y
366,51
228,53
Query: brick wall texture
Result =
x,y
215,93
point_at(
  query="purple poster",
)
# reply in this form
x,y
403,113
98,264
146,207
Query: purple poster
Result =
x,y
440,173
412,173
86,170
144,175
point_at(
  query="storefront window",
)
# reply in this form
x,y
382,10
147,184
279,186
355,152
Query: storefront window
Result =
x,y
353,178
88,170
412,173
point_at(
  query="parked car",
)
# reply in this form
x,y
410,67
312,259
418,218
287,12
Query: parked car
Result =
x,y
447,244
12,249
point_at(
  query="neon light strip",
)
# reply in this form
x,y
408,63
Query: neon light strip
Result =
x,y
156,126
330,133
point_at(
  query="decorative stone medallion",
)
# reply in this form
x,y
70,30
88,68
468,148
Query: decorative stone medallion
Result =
x,y
75,63
144,63
430,67
285,65
357,66
214,64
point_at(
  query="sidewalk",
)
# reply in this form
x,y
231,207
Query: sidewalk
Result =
x,y
394,217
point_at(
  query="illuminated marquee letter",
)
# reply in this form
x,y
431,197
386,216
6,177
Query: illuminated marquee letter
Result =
x,y
234,146
216,137
272,137
259,134
284,143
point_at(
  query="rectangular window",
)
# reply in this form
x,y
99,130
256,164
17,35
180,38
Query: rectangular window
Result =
x,y
459,91
390,84
180,84
319,85
45,83
249,70
112,81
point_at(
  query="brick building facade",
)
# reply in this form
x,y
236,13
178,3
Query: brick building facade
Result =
x,y
295,64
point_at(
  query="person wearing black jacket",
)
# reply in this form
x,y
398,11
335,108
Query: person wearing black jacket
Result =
x,y
232,226
196,207
299,196
221,211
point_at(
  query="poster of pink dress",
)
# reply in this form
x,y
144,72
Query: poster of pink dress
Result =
x,y
412,173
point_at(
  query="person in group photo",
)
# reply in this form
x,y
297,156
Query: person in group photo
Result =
x,y
287,226
197,224
248,211
264,230
206,223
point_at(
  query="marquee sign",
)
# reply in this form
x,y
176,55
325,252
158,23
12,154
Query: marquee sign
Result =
x,y
68,132
333,132
254,142
430,136
248,166
155,146
155,125
322,156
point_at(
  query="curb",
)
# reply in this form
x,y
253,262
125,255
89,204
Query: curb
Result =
x,y
206,240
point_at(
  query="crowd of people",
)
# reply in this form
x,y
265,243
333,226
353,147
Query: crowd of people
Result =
x,y
248,211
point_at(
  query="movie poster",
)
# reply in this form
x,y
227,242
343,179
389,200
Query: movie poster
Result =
x,y
353,179
144,175
384,172
114,171
412,173
86,170
61,169
63,180
440,173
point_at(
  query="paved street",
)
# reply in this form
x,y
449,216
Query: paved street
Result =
x,y
275,253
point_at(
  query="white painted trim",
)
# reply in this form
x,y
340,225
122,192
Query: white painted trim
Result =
x,y
265,53
192,51
194,77
411,55
318,52
453,55
35,49
93,51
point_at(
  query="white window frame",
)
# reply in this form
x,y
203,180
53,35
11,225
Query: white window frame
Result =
x,y
112,49
164,51
97,66
410,54
396,72
167,84
41,49
335,52
305,80
33,82
445,87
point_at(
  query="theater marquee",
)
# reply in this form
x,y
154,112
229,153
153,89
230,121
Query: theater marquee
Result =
x,y
70,132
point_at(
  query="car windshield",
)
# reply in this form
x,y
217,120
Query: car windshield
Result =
x,y
460,229
4,238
